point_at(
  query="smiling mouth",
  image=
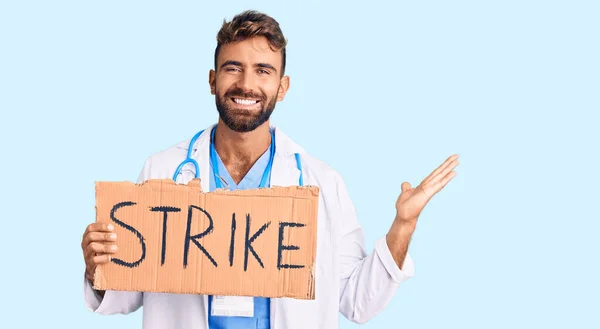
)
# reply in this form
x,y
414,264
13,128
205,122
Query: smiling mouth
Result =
x,y
246,102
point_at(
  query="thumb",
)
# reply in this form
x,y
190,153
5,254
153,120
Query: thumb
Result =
x,y
405,186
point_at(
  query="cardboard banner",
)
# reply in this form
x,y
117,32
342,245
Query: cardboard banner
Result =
x,y
174,238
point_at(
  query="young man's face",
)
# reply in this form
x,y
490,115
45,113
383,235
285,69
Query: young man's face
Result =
x,y
247,83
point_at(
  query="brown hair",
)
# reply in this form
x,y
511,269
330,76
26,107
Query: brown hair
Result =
x,y
250,24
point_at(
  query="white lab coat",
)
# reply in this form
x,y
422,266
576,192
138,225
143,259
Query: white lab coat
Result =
x,y
348,280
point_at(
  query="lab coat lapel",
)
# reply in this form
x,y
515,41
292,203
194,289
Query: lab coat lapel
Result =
x,y
202,155
284,171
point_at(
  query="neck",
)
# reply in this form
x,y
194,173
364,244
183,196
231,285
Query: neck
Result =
x,y
239,151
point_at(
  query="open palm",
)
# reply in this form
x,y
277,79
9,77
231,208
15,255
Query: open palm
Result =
x,y
412,200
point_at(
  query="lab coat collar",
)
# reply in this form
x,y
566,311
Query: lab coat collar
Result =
x,y
284,171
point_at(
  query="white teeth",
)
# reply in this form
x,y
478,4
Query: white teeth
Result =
x,y
244,101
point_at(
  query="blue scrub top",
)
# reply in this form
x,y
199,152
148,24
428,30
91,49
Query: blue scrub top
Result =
x,y
261,305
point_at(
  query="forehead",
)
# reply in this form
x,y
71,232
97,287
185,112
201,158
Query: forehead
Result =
x,y
249,52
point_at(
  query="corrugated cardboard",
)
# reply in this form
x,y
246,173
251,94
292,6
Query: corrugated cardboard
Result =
x,y
193,252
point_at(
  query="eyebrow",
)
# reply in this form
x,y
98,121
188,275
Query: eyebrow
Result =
x,y
266,66
236,63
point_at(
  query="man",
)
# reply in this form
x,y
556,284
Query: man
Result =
x,y
248,80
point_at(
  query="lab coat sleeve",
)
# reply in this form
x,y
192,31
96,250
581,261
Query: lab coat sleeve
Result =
x,y
368,281
115,302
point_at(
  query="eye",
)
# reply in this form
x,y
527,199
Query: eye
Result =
x,y
232,69
263,71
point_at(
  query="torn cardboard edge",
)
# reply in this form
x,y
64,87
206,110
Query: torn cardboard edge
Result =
x,y
175,238
99,277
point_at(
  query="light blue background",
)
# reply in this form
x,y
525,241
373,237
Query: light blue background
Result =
x,y
88,90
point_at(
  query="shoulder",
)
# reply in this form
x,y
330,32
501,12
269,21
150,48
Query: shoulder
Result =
x,y
320,173
315,171
170,154
319,167
163,163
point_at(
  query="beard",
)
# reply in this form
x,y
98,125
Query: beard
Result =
x,y
243,120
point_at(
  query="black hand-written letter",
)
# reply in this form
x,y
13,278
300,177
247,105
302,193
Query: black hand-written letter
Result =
x,y
249,241
129,228
166,211
232,243
195,238
282,247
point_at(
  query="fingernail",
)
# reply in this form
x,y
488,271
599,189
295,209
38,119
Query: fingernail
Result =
x,y
112,236
110,227
113,248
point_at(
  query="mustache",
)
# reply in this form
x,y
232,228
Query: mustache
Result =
x,y
241,93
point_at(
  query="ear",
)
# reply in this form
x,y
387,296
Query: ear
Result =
x,y
211,81
284,85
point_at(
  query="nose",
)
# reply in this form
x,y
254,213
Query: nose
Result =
x,y
247,81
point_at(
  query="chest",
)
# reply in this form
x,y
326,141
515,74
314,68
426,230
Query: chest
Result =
x,y
238,170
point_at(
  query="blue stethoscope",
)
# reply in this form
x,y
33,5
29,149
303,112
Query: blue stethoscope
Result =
x,y
213,159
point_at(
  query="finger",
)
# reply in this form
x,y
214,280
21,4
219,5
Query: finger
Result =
x,y
100,248
96,227
405,186
101,259
444,181
99,227
449,160
98,237
440,168
435,179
